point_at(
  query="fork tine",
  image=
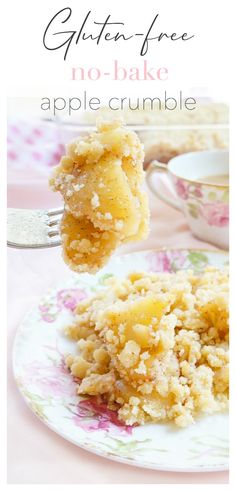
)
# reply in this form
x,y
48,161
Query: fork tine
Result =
x,y
54,222
33,229
54,242
55,211
53,232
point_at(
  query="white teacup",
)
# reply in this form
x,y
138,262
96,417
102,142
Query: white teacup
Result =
x,y
205,205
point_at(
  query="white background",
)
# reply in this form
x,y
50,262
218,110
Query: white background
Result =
x,y
199,64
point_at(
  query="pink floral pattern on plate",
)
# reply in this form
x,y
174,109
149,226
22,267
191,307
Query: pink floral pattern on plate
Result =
x,y
52,377
66,299
165,262
93,414
172,261
54,382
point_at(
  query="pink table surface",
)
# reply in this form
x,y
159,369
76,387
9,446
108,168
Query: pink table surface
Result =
x,y
35,453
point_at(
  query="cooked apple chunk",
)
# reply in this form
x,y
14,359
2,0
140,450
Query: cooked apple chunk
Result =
x,y
100,179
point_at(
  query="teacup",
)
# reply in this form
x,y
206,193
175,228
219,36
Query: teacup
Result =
x,y
205,204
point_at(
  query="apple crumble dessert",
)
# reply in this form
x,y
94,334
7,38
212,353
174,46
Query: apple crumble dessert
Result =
x,y
155,346
100,179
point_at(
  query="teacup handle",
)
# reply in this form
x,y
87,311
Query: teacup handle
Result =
x,y
156,166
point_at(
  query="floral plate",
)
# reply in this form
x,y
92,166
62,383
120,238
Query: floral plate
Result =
x,y
49,390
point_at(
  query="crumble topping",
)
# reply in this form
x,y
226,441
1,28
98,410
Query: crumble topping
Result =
x,y
100,179
155,346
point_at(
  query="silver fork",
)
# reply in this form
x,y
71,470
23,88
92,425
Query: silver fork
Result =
x,y
33,229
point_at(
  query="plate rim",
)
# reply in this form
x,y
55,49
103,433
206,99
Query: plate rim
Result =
x,y
103,454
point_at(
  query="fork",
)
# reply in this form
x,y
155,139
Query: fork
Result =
x,y
33,229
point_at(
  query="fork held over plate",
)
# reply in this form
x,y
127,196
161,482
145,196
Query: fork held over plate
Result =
x,y
33,229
